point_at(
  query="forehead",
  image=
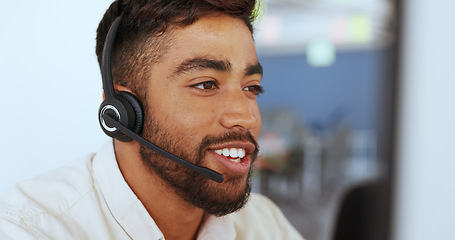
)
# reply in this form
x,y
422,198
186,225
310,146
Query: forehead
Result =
x,y
215,37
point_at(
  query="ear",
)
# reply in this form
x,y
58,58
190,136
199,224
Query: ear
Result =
x,y
122,88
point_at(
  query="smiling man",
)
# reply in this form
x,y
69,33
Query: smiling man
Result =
x,y
193,70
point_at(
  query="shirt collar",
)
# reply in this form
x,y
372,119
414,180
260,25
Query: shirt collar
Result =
x,y
123,204
220,228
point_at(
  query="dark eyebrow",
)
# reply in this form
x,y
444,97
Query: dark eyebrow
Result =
x,y
199,64
253,69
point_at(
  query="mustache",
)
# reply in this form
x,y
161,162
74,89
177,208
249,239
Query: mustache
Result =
x,y
229,137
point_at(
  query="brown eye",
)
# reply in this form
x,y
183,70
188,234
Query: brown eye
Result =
x,y
255,89
206,85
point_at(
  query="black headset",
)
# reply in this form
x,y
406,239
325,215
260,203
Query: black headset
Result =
x,y
121,114
123,106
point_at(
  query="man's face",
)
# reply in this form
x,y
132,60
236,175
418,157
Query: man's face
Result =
x,y
201,105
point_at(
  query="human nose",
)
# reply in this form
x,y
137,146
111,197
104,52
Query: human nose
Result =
x,y
239,111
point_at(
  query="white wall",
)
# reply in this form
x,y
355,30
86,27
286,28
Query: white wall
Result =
x,y
51,85
425,203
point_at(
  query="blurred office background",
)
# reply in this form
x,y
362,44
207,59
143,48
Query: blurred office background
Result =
x,y
357,118
328,67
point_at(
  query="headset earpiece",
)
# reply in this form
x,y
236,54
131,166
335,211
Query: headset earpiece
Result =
x,y
126,109
136,108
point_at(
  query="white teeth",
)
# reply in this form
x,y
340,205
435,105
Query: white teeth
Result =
x,y
226,152
235,153
242,153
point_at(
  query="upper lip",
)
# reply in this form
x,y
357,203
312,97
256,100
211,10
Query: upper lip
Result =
x,y
248,146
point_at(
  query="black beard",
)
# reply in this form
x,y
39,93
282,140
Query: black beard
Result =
x,y
218,199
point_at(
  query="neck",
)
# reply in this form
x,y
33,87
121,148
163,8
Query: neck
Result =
x,y
176,218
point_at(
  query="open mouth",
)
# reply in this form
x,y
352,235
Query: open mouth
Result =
x,y
235,154
234,158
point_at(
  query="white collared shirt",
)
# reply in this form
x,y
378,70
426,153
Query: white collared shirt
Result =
x,y
89,199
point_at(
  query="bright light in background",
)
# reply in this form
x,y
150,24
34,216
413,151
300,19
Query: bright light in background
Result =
x,y
271,33
352,29
349,24
359,28
259,10
320,53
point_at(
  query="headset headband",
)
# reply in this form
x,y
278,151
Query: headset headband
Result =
x,y
106,69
